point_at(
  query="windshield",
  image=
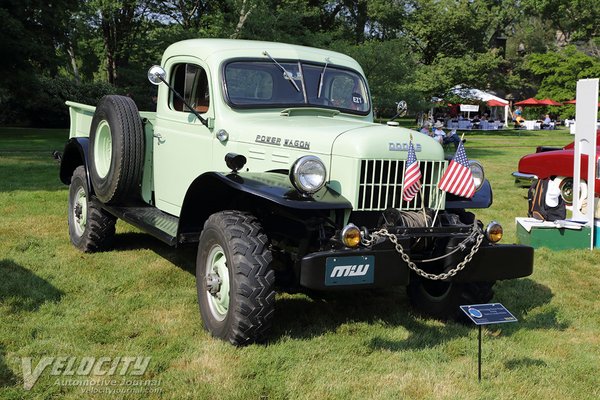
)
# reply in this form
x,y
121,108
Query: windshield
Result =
x,y
260,84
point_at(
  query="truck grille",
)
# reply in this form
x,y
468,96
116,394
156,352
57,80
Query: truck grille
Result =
x,y
381,183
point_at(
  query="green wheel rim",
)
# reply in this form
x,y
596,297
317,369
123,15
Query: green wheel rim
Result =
x,y
80,211
103,149
216,266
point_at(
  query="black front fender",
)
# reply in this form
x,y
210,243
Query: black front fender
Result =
x,y
483,198
214,191
74,155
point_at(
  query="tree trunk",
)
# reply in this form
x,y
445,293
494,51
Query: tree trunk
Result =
x,y
242,20
71,53
109,45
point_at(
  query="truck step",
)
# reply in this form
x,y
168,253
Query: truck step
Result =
x,y
151,220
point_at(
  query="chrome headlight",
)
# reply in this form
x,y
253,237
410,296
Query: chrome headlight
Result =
x,y
477,172
308,174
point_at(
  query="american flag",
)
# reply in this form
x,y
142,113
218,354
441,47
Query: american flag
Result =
x,y
458,178
412,175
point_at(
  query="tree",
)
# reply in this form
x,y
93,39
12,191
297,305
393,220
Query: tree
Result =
x,y
31,31
575,20
447,28
559,72
121,23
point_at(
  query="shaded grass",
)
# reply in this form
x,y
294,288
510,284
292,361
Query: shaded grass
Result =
x,y
140,299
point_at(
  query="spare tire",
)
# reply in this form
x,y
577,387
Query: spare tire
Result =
x,y
116,150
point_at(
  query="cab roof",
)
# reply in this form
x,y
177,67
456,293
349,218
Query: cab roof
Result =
x,y
221,49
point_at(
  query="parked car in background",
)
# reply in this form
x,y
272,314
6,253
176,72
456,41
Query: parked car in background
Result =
x,y
549,162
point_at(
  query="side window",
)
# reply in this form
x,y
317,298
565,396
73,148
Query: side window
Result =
x,y
191,82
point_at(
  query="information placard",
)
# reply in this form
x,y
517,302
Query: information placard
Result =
x,y
487,314
469,107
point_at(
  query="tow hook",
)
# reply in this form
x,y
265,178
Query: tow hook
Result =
x,y
57,155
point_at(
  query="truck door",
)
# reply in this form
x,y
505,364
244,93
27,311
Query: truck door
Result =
x,y
182,144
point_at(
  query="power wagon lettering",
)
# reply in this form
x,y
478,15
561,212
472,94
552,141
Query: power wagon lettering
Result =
x,y
276,141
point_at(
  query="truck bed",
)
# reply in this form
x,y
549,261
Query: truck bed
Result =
x,y
81,116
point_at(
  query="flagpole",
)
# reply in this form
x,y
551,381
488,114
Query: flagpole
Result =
x,y
421,191
437,210
462,163
422,194
439,202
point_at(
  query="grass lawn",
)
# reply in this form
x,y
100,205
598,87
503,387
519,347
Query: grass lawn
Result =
x,y
140,300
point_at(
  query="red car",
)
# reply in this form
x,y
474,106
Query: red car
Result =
x,y
548,162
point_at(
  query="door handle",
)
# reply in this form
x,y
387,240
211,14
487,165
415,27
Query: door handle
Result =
x,y
157,135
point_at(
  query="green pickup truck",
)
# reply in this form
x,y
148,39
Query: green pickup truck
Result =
x,y
266,155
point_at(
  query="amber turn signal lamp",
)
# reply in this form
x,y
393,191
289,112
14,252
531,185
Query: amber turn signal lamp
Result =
x,y
351,235
494,232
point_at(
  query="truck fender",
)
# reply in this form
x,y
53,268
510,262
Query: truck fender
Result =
x,y
483,198
74,155
214,191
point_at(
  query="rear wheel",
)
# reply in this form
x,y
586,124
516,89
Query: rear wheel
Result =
x,y
441,300
90,227
234,280
116,150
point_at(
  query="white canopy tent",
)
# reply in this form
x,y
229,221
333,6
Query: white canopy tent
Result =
x,y
480,95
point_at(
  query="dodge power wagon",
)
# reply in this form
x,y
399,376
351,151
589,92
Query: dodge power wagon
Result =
x,y
266,155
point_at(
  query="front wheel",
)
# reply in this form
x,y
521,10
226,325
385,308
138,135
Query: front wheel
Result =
x,y
90,227
234,280
441,300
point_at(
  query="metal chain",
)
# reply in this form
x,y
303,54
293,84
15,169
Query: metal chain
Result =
x,y
405,257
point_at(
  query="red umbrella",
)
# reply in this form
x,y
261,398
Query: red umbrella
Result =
x,y
549,102
496,103
529,102
574,101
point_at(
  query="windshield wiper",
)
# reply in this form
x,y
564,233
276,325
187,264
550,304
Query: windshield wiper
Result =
x,y
285,72
327,60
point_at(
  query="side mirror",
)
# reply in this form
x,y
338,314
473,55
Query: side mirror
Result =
x,y
156,74
401,108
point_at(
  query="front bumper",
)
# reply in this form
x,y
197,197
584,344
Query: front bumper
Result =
x,y
523,180
383,267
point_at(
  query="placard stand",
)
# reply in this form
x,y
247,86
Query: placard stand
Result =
x,y
479,356
486,314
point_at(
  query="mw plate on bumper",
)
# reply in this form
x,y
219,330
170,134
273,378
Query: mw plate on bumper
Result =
x,y
490,263
347,269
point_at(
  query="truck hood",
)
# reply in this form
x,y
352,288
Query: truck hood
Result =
x,y
334,136
385,142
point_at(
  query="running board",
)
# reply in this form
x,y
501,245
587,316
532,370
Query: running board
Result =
x,y
149,219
